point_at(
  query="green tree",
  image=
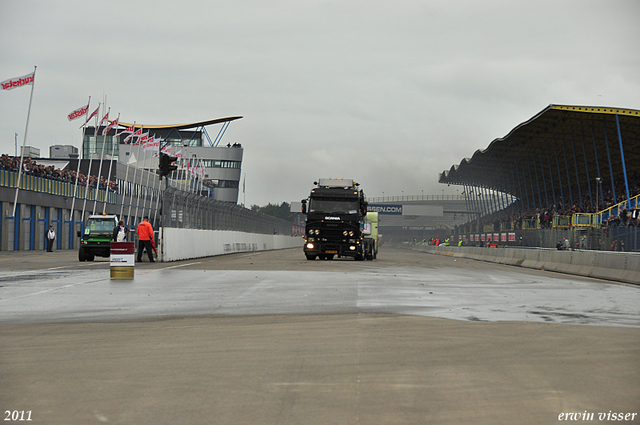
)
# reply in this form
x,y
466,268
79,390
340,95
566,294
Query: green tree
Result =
x,y
282,211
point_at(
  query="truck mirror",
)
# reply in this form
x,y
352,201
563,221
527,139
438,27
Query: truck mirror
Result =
x,y
304,206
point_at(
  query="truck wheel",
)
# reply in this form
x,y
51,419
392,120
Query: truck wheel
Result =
x,y
82,255
90,256
368,253
311,257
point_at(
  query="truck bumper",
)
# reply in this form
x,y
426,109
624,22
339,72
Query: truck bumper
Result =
x,y
341,250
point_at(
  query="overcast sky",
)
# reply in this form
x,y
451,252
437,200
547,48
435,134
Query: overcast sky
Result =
x,y
387,93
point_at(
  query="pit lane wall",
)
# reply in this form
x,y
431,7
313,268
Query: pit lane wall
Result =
x,y
183,244
618,266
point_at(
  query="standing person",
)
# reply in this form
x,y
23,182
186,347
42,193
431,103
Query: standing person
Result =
x,y
145,235
51,236
120,232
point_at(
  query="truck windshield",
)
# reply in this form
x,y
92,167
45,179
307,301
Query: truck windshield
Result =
x,y
99,226
335,206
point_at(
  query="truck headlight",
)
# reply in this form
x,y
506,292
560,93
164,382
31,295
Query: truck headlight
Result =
x,y
310,246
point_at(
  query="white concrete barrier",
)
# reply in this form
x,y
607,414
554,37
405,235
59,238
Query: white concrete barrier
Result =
x,y
619,266
184,244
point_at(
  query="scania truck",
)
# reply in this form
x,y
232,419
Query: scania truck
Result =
x,y
335,216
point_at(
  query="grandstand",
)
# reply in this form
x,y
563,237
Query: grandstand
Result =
x,y
574,172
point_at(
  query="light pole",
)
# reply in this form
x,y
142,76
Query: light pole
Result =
x,y
598,180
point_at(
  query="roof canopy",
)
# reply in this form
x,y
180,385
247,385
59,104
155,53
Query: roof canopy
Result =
x,y
182,126
561,149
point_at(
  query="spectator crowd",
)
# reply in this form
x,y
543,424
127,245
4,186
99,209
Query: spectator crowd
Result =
x,y
31,167
516,214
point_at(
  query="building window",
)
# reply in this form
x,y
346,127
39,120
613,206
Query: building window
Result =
x,y
217,163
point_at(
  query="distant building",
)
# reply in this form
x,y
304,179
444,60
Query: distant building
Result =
x,y
30,152
63,151
223,164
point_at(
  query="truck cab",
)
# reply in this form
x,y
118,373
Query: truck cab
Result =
x,y
97,237
335,213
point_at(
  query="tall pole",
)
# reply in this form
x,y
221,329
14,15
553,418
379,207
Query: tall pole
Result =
x,y
126,175
104,142
135,172
113,150
75,187
624,167
24,142
88,186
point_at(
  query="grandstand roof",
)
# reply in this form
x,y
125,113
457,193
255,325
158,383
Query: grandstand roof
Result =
x,y
552,148
182,126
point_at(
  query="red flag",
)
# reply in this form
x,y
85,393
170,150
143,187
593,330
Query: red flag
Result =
x,y
93,114
78,113
126,130
13,83
137,133
103,120
109,127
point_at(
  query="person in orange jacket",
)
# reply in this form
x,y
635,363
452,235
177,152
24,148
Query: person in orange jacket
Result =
x,y
145,236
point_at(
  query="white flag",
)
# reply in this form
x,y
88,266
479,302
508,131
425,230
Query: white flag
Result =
x,y
12,83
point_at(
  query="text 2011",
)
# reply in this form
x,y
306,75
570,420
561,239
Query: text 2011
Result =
x,y
17,415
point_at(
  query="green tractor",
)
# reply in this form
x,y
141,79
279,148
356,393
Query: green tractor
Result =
x,y
97,238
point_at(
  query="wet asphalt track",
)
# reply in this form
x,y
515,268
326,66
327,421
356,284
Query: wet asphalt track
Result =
x,y
407,283
270,338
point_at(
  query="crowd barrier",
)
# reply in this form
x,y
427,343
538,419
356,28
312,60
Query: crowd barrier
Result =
x,y
618,266
32,183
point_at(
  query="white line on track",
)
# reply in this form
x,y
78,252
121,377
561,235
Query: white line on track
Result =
x,y
50,290
181,265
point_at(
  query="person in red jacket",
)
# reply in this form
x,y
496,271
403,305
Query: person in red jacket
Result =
x,y
145,236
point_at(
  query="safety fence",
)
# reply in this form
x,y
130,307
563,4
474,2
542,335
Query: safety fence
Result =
x,y
612,238
191,211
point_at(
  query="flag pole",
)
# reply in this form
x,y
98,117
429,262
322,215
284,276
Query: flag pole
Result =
x,y
135,171
126,175
75,187
24,142
88,186
113,150
104,142
156,193
144,160
144,205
